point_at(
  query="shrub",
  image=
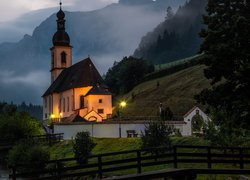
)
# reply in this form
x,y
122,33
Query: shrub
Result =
x,y
27,156
82,146
156,134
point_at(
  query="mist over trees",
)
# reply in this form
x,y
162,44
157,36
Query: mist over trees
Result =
x,y
175,38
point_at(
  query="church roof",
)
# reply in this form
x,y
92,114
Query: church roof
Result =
x,y
81,74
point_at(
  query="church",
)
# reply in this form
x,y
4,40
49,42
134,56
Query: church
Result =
x,y
77,92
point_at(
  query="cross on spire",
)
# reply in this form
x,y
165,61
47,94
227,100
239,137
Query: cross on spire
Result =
x,y
60,4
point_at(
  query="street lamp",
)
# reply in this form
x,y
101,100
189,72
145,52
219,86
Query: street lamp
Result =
x,y
122,105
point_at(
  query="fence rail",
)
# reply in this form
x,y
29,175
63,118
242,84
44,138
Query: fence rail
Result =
x,y
100,165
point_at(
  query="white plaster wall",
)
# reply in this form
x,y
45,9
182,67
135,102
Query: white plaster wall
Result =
x,y
103,130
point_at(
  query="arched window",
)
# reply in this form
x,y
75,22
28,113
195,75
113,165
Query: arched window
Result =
x,y
81,102
63,58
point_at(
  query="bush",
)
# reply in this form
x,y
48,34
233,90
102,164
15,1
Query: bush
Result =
x,y
27,156
82,146
19,125
157,134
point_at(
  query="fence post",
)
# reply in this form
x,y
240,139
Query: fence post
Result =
x,y
209,163
100,166
14,173
175,157
139,161
241,159
58,169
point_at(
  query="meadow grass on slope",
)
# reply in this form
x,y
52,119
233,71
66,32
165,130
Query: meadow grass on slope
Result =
x,y
176,91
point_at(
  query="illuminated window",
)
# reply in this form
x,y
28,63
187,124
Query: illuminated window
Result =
x,y
100,111
100,100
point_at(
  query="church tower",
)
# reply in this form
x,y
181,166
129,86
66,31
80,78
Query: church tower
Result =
x,y
61,52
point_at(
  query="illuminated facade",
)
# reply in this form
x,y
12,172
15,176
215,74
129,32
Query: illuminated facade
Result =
x,y
77,92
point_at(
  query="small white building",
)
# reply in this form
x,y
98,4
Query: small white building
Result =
x,y
188,118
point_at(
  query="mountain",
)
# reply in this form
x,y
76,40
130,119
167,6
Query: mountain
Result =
x,y
175,38
106,35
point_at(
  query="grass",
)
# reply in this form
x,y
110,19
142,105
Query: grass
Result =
x,y
106,145
159,67
175,91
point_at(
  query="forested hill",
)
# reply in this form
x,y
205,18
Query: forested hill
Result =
x,y
175,38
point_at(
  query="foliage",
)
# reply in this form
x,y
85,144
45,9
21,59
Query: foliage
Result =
x,y
222,132
126,74
156,134
27,155
166,114
82,146
197,123
18,126
227,53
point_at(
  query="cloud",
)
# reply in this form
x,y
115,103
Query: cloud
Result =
x,y
25,87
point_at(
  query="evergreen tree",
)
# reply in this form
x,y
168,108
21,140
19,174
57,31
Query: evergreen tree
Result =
x,y
227,54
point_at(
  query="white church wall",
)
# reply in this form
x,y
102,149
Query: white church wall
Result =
x,y
106,130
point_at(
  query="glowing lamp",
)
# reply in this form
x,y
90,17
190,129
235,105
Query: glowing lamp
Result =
x,y
123,104
52,116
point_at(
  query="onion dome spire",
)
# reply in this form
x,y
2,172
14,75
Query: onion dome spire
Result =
x,y
61,37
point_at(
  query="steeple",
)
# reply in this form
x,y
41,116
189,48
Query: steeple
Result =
x,y
61,37
61,52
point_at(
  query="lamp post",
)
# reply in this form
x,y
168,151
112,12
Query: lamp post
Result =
x,y
122,105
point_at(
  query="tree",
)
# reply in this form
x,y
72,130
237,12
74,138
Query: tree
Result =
x,y
82,146
227,56
19,125
170,13
28,156
126,74
156,134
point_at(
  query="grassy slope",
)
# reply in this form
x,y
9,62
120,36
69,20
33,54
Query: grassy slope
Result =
x,y
176,91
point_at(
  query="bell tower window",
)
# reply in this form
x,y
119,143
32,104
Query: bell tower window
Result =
x,y
63,58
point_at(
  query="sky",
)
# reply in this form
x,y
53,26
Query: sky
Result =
x,y
16,18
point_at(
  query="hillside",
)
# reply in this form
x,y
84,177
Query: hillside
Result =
x,y
175,38
176,91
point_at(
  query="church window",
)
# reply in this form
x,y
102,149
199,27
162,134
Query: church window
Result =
x,y
60,105
197,111
68,104
63,104
100,100
45,102
81,102
100,111
72,103
63,58
52,60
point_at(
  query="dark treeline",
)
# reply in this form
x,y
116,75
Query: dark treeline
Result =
x,y
35,111
126,74
177,37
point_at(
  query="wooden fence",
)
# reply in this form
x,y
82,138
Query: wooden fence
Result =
x,y
103,164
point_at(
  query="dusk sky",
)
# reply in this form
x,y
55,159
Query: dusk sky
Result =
x,y
10,10
19,17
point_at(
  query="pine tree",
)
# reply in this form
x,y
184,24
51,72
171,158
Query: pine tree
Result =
x,y
227,54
